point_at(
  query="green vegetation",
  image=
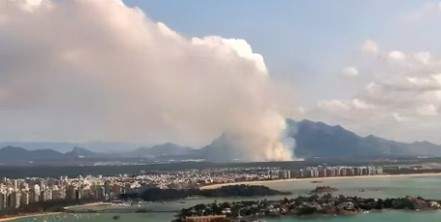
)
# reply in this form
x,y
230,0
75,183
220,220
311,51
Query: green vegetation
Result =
x,y
306,205
157,194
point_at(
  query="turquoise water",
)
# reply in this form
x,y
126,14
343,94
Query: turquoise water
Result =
x,y
389,216
102,217
428,187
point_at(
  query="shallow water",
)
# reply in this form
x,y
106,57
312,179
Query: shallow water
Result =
x,y
389,216
102,217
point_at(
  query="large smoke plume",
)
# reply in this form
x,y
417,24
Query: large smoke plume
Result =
x,y
100,70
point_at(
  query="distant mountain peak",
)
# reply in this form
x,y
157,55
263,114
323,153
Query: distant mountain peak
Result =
x,y
12,153
313,139
13,148
318,139
160,150
80,152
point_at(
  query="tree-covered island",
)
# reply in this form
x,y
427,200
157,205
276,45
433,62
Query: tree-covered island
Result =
x,y
325,203
157,194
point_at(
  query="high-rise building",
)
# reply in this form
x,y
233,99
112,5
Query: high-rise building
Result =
x,y
16,199
36,193
3,199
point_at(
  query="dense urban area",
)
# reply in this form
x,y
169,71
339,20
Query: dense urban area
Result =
x,y
20,194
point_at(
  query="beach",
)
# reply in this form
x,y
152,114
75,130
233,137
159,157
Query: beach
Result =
x,y
28,215
90,205
42,214
318,179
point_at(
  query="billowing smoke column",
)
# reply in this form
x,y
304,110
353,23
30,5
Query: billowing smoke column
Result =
x,y
99,70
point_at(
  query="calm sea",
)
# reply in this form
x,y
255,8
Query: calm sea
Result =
x,y
428,187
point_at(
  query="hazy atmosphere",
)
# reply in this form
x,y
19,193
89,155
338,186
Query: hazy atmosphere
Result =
x,y
157,71
220,110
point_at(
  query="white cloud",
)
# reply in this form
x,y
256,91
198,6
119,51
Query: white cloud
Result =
x,y
431,82
350,71
301,110
27,5
344,106
423,57
400,99
239,46
396,55
429,9
334,105
360,104
98,70
370,47
428,110
398,117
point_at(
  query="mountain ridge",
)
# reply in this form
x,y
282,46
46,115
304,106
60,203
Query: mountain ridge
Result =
x,y
160,150
313,140
316,138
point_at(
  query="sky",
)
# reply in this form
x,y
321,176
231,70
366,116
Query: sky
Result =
x,y
190,71
316,48
303,42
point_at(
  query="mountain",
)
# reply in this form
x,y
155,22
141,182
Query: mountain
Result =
x,y
79,152
161,150
19,155
11,153
220,150
313,139
100,147
317,139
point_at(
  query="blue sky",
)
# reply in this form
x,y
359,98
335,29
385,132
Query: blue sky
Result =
x,y
304,42
307,44
372,66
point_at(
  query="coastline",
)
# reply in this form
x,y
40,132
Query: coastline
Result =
x,y
42,214
214,186
311,179
94,204
28,215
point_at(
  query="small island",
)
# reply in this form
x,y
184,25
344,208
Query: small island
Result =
x,y
157,194
323,189
326,204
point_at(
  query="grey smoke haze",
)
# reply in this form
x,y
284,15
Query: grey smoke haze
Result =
x,y
101,71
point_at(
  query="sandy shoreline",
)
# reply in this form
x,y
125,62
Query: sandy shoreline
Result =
x,y
52,213
95,204
264,182
28,215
